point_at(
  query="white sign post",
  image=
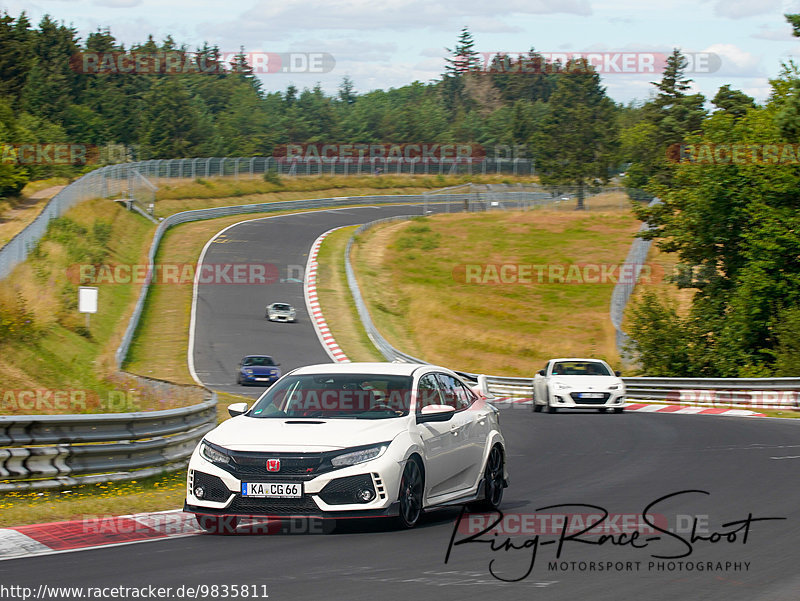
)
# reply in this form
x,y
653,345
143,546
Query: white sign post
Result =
x,y
87,302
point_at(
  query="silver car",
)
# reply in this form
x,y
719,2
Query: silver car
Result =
x,y
280,312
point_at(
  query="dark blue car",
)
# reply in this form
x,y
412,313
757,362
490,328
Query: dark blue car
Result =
x,y
257,369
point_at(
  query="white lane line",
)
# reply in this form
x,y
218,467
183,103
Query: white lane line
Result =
x,y
787,457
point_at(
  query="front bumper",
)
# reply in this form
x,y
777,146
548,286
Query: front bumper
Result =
x,y
574,399
260,379
331,494
284,318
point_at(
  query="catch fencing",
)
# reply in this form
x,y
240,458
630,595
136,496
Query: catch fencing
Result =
x,y
134,184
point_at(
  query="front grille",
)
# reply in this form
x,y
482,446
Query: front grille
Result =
x,y
295,467
214,488
302,506
342,491
600,401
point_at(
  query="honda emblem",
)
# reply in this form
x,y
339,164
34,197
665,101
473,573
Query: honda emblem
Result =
x,y
273,465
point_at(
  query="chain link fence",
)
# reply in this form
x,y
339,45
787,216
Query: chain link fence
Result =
x,y
637,257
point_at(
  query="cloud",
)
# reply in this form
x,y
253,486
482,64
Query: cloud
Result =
x,y
735,62
740,9
267,19
117,3
775,34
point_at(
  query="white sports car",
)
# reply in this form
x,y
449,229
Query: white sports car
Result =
x,y
350,440
578,384
280,312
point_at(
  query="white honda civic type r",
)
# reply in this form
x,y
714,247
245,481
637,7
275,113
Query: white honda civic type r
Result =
x,y
578,384
350,440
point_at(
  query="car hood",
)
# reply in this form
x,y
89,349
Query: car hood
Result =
x,y
586,382
244,433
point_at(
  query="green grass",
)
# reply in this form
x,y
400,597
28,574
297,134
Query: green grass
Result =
x,y
336,301
56,351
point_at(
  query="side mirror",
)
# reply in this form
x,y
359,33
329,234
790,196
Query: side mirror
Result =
x,y
435,413
541,372
618,373
235,409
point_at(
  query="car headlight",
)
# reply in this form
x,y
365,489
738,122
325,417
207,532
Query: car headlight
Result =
x,y
360,456
213,454
562,386
248,371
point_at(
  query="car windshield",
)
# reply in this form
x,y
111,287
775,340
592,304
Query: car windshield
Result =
x,y
281,307
580,368
340,396
257,361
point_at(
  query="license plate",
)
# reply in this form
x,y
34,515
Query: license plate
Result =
x,y
290,490
262,379
590,395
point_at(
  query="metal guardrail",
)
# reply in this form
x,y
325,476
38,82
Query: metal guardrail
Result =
x,y
48,451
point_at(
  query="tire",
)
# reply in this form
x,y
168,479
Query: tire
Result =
x,y
603,409
550,408
213,524
536,408
410,494
619,409
492,481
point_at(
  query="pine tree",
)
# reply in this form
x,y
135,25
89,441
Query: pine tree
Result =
x,y
575,144
464,57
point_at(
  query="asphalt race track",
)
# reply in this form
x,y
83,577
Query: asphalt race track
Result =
x,y
618,463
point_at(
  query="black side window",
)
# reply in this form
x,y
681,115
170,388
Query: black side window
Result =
x,y
428,392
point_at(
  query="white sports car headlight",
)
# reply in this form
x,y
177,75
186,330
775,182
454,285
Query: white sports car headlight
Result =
x,y
359,456
214,455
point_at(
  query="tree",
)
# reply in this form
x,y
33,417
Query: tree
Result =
x,y
463,58
576,141
733,102
346,93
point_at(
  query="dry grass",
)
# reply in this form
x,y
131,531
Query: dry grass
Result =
x,y
17,213
417,295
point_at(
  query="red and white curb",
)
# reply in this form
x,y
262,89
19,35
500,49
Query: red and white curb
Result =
x,y
312,304
653,408
94,532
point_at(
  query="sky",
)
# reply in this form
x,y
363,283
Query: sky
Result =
x,y
391,44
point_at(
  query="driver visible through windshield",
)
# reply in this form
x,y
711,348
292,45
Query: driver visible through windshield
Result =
x,y
344,396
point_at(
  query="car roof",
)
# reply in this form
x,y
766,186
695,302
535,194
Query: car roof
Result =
x,y
577,359
382,368
251,356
